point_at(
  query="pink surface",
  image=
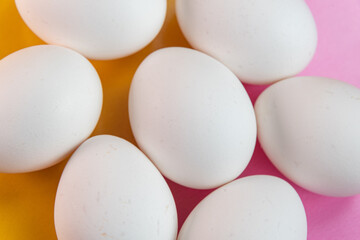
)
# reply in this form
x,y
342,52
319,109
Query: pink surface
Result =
x,y
337,56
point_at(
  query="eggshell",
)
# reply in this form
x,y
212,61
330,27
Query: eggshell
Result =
x,y
50,101
111,190
257,208
105,29
309,128
192,117
261,41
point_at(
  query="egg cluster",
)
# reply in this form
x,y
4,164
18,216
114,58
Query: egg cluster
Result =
x,y
192,119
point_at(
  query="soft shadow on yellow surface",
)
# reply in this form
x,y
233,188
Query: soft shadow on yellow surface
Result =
x,y
27,200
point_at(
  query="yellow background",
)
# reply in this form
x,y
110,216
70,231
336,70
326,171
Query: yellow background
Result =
x,y
27,200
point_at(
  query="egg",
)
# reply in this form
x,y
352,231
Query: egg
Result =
x,y
261,41
257,208
50,101
309,128
110,190
192,117
102,30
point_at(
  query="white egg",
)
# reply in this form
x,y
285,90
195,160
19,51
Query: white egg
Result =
x,y
50,101
257,208
309,128
105,29
261,41
192,117
111,190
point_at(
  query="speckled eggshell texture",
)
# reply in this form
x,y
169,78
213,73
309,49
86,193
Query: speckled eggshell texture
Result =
x,y
192,117
110,190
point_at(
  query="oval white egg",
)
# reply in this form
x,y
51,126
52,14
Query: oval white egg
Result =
x,y
257,208
50,101
261,41
309,128
110,190
103,30
192,117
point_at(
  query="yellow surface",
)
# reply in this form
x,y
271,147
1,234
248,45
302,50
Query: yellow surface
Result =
x,y
27,200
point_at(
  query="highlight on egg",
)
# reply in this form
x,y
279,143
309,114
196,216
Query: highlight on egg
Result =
x,y
309,128
50,101
256,207
110,190
102,30
261,41
192,117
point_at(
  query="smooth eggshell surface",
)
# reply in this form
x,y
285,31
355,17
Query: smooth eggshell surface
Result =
x,y
50,101
192,117
111,190
105,29
309,128
261,41
257,208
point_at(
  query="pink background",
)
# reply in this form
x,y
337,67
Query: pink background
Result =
x,y
337,56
